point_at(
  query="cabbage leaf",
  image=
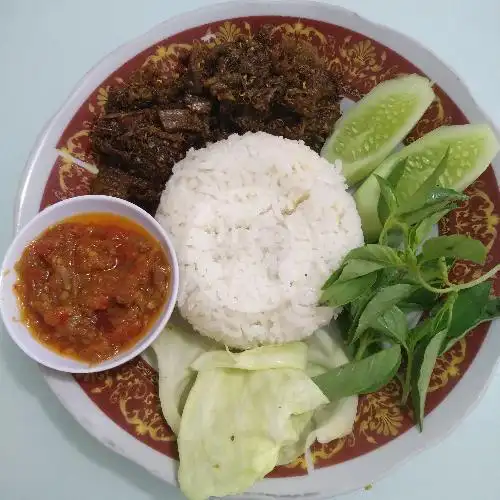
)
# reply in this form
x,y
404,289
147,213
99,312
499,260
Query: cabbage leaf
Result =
x,y
292,355
176,348
235,423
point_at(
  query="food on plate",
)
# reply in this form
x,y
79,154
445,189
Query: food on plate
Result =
x,y
258,223
90,286
470,150
284,314
370,130
271,83
239,414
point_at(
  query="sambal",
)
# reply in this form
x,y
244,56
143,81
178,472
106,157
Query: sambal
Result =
x,y
90,286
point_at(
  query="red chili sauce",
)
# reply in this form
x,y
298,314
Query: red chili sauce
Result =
x,y
91,286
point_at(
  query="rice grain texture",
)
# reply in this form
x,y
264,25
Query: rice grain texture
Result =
x,y
258,223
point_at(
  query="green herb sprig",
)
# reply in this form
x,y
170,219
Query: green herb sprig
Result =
x,y
379,284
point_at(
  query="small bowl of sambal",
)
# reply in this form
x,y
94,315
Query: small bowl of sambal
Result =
x,y
88,284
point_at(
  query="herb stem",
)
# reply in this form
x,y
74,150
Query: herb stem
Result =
x,y
462,286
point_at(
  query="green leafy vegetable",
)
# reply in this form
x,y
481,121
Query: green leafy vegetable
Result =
x,y
423,365
394,325
492,309
455,245
357,267
408,274
388,202
340,293
292,355
176,349
425,212
235,423
423,299
376,253
358,377
422,229
469,306
385,299
424,194
473,306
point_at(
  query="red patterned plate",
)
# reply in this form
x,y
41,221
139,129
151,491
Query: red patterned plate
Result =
x,y
121,407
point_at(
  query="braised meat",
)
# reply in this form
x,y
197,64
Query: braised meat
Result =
x,y
266,83
114,182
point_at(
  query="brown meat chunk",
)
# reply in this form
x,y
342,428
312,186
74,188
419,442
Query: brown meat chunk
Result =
x,y
113,182
176,120
200,105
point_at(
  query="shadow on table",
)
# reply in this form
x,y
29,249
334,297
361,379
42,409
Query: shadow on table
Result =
x,y
27,374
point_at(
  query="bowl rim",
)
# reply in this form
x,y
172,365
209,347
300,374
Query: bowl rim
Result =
x,y
328,481
39,225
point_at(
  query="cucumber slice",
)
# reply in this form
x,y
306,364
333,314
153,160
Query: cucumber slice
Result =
x,y
369,131
471,149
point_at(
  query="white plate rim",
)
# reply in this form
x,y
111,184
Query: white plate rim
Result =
x,y
329,481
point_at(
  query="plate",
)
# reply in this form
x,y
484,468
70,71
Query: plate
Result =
x,y
120,407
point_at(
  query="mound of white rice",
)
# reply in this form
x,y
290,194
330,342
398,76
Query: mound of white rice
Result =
x,y
258,222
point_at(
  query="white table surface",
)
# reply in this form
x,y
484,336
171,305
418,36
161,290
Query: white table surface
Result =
x,y
45,47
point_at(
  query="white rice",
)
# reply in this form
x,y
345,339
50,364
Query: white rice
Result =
x,y
258,223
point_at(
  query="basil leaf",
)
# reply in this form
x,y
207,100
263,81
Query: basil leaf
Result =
x,y
387,203
390,376
469,306
425,212
473,306
420,332
334,277
381,302
442,195
421,299
358,377
492,309
441,320
357,307
357,267
393,324
341,293
373,253
420,197
455,245
423,364
422,230
436,196
376,253
397,172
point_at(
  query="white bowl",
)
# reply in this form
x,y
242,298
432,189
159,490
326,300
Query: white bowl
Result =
x,y
56,213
